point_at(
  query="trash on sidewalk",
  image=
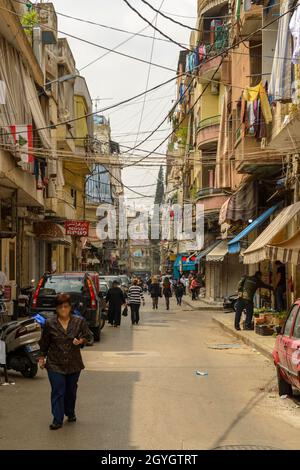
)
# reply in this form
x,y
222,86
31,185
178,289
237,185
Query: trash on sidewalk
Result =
x,y
224,346
283,397
201,374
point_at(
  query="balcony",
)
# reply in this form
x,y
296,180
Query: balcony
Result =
x,y
207,71
208,131
251,20
60,207
212,199
48,22
65,56
205,5
65,138
285,133
265,164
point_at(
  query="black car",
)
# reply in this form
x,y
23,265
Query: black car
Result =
x,y
83,294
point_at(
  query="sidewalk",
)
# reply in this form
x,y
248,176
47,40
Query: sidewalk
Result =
x,y
263,344
202,304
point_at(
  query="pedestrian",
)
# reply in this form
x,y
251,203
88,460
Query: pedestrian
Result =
x,y
185,282
280,288
195,288
155,292
115,298
135,297
62,338
247,287
167,292
179,292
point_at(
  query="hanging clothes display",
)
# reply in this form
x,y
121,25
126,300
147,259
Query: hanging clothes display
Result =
x,y
281,79
259,92
295,30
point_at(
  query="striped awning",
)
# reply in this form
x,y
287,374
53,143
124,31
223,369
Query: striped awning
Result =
x,y
287,251
272,235
219,252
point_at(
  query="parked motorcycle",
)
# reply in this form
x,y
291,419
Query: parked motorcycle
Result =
x,y
22,346
230,302
24,300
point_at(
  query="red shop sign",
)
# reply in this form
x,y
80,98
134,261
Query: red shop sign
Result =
x,y
77,228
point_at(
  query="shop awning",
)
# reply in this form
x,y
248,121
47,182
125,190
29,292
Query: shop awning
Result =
x,y
234,245
258,250
204,253
219,252
241,205
287,251
52,233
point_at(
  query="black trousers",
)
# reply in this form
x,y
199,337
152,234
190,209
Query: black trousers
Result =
x,y
240,306
179,299
63,395
114,314
155,302
135,313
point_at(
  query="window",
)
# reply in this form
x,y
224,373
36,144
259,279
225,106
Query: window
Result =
x,y
289,322
296,333
74,196
12,262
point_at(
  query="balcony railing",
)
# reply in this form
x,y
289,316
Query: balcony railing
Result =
x,y
211,121
204,192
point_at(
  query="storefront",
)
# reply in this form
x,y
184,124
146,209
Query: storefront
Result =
x,y
184,264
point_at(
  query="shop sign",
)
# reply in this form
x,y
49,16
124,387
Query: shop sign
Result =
x,y
77,228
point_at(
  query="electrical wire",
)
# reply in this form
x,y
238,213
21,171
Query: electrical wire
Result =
x,y
154,27
169,18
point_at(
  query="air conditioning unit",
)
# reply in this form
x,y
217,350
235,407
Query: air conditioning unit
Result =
x,y
214,88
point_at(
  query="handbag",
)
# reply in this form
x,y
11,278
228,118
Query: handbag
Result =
x,y
125,312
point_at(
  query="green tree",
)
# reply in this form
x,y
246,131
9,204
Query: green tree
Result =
x,y
160,187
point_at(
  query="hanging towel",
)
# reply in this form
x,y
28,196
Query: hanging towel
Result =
x,y
281,79
2,92
295,30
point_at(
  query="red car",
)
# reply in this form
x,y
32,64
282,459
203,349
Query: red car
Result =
x,y
287,352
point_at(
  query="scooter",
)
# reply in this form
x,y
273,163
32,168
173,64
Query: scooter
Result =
x,y
22,348
24,300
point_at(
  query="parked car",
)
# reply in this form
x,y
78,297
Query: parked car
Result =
x,y
104,288
84,297
286,353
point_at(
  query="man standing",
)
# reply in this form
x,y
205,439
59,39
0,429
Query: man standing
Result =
x,y
280,288
115,298
135,297
247,287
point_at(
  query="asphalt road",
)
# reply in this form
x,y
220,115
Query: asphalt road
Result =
x,y
140,391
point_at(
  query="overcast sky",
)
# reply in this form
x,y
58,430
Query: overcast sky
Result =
x,y
114,78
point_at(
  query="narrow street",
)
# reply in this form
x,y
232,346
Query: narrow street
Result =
x,y
140,391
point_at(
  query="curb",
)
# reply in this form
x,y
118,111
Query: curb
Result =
x,y
209,308
242,336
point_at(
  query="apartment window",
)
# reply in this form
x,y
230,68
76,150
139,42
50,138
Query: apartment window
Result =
x,y
12,262
74,196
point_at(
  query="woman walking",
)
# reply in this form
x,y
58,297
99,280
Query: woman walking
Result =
x,y
167,291
115,298
155,292
62,338
135,297
179,291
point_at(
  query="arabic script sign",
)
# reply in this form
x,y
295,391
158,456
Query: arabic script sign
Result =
x,y
78,228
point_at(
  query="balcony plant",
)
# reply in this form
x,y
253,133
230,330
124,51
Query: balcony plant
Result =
x,y
28,21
